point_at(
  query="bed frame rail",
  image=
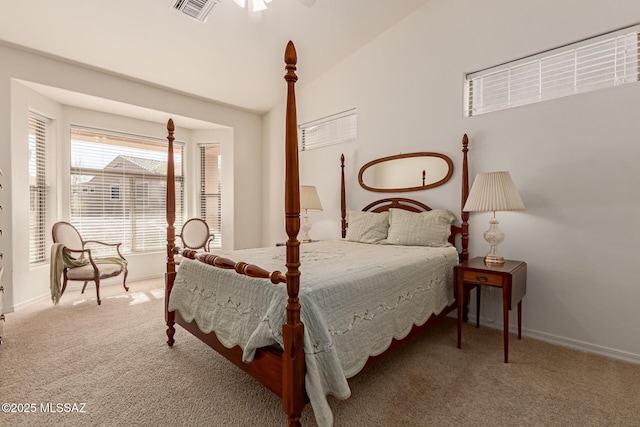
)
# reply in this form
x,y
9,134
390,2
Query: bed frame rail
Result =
x,y
241,267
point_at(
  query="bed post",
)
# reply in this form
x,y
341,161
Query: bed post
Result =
x,y
464,256
343,199
293,366
171,234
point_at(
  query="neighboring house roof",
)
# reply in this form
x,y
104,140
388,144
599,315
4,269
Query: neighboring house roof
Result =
x,y
155,167
132,164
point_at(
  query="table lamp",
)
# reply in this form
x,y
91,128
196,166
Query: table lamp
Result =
x,y
309,201
492,192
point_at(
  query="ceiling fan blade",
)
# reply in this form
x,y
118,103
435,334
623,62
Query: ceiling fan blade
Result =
x,y
307,3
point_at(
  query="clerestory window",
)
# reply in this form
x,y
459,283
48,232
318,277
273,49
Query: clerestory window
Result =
x,y
596,63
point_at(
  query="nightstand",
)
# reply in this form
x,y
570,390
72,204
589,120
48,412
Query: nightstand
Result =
x,y
511,277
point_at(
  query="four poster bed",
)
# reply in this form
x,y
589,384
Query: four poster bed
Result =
x,y
339,305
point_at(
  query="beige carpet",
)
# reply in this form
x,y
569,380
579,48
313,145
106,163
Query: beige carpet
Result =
x,y
114,359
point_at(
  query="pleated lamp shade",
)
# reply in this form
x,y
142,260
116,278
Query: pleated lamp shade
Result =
x,y
493,192
309,199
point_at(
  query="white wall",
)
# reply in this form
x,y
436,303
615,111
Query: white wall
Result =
x,y
573,159
241,143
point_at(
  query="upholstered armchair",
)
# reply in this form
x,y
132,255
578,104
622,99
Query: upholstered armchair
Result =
x,y
195,234
73,260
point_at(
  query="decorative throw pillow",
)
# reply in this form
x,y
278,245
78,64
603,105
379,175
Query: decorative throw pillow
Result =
x,y
367,227
431,228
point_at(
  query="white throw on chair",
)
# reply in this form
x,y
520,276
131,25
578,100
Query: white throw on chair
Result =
x,y
195,234
73,260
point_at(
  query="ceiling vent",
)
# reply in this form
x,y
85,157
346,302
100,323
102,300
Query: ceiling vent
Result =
x,y
196,9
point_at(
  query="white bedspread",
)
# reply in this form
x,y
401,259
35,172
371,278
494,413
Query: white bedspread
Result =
x,y
355,299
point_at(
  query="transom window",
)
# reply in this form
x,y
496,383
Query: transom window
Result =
x,y
605,61
334,129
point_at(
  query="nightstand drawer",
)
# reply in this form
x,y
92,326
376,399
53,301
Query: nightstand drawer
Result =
x,y
482,278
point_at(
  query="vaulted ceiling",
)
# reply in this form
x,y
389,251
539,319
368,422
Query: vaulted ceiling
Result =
x,y
235,57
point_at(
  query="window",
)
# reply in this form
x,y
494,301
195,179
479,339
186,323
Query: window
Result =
x,y
118,188
600,62
210,190
38,126
329,130
115,192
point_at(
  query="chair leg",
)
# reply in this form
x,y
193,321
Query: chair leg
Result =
x,y
124,281
64,285
98,290
84,287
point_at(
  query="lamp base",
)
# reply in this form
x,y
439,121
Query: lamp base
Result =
x,y
306,226
490,259
494,236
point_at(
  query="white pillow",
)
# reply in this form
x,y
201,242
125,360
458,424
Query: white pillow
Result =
x,y
367,227
431,228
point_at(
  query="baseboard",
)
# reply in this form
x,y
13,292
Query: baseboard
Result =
x,y
559,340
30,301
579,345
76,286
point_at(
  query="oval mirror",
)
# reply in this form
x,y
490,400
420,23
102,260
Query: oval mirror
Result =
x,y
406,172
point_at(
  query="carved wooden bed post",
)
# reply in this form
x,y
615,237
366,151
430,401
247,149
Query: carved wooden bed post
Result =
x,y
293,369
464,256
170,275
343,199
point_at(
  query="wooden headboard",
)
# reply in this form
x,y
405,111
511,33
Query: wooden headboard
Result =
x,y
385,204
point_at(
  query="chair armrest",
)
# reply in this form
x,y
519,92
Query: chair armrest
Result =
x,y
102,243
116,245
209,240
77,250
83,251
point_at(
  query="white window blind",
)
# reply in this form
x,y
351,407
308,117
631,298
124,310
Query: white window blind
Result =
x,y
118,188
333,129
211,190
600,62
38,126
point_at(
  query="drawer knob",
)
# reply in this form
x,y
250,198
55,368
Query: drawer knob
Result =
x,y
481,278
